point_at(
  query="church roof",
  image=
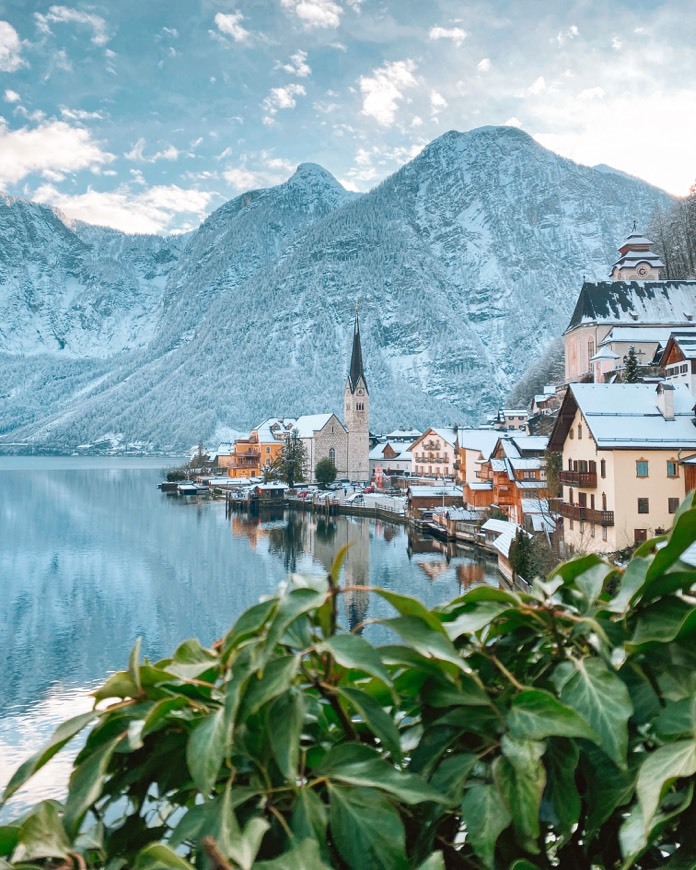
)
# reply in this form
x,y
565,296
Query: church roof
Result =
x,y
356,360
635,302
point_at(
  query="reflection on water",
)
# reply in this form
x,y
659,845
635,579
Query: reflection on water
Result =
x,y
92,556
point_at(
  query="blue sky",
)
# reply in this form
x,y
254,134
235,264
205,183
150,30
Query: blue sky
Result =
x,y
148,115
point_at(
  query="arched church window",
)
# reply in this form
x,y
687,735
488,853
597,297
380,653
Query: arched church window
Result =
x,y
332,455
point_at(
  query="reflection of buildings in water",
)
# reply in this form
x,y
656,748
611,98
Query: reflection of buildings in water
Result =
x,y
470,574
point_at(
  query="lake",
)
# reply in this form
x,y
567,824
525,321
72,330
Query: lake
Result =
x,y
93,555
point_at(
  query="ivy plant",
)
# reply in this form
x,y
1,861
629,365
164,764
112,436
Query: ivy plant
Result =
x,y
502,729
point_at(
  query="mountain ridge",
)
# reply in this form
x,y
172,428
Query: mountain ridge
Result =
x,y
250,315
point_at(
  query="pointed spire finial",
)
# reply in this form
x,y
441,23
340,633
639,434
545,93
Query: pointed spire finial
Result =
x,y
634,226
357,305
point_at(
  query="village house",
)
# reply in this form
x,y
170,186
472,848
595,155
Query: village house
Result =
x,y
514,473
475,446
390,460
622,446
425,498
679,359
633,309
435,453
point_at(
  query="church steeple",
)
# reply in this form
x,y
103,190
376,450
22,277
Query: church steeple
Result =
x,y
356,361
638,262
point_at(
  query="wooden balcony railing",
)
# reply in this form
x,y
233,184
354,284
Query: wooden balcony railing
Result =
x,y
587,479
585,514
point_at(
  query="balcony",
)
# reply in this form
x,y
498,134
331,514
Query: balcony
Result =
x,y
585,514
586,479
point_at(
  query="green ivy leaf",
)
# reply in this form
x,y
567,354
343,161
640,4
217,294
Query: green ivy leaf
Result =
x,y
284,725
433,644
436,861
664,621
276,678
521,777
42,835
486,817
134,664
366,829
407,606
560,804
660,769
119,685
632,583
356,764
309,816
601,698
676,720
205,750
303,856
9,837
352,651
249,625
62,735
87,783
474,617
376,718
159,717
157,856
536,714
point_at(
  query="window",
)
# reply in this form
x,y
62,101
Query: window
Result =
x,y
570,465
590,349
604,501
268,450
603,467
672,505
571,433
592,530
332,455
570,495
604,533
672,468
579,431
641,467
640,535
582,499
571,525
643,506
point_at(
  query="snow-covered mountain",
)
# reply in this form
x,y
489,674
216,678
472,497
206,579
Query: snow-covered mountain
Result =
x,y
466,263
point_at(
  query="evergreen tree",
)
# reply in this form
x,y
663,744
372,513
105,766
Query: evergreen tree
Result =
x,y
292,460
521,556
325,472
630,372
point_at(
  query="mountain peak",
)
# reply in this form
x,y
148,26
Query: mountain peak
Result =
x,y
313,174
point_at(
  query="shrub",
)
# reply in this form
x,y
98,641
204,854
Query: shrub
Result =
x,y
503,730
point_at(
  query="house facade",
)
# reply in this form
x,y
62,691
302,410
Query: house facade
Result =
x,y
621,446
435,453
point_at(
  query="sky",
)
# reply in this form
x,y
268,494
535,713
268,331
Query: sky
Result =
x,y
148,115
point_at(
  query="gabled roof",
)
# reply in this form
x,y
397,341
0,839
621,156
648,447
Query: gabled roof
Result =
x,y
627,416
635,302
311,423
685,341
447,434
483,440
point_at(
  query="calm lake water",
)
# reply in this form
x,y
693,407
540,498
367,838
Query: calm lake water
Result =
x,y
93,556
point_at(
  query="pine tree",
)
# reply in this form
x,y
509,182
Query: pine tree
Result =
x,y
325,472
292,460
630,372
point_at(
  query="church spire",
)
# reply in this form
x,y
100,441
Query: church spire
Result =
x,y
356,361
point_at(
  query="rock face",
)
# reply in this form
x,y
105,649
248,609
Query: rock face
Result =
x,y
466,263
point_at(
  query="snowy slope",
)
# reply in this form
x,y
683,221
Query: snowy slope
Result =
x,y
466,263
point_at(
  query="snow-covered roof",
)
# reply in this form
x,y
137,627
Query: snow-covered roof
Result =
x,y
499,465
686,342
308,424
640,334
527,464
403,435
550,390
435,491
479,487
447,434
605,353
496,525
483,440
530,484
462,515
534,505
648,302
403,455
627,416
542,523
531,443
275,429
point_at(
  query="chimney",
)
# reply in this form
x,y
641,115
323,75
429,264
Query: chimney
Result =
x,y
665,400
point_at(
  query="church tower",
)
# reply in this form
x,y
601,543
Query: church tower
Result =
x,y
637,262
357,407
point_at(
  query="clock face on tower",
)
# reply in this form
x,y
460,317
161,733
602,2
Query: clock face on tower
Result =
x,y
360,392
642,270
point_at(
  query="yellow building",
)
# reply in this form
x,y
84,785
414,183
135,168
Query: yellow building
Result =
x,y
262,447
621,445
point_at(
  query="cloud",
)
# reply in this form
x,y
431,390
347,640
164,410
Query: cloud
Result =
x,y
281,98
53,146
147,211
616,44
271,170
11,96
298,65
456,34
315,13
10,48
537,87
437,102
230,23
571,33
592,94
66,15
80,115
371,164
484,64
384,89
137,153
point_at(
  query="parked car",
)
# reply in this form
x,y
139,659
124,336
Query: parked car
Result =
x,y
355,498
369,489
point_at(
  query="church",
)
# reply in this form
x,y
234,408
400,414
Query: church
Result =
x,y
633,309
